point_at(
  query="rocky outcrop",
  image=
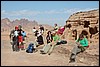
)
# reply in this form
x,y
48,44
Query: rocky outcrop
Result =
x,y
87,21
79,17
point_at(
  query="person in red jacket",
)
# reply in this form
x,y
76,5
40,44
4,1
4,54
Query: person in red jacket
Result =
x,y
20,38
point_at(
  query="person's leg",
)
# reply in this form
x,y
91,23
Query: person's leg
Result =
x,y
18,46
22,46
75,50
45,48
35,44
13,46
51,49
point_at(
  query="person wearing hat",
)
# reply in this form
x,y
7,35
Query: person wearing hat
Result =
x,y
14,39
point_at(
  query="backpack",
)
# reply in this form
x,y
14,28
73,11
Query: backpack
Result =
x,y
61,42
30,48
24,34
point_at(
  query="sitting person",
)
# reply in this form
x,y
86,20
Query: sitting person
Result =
x,y
74,34
39,40
80,46
60,30
56,27
49,47
49,37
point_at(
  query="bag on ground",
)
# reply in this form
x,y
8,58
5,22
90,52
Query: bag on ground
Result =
x,y
63,42
30,48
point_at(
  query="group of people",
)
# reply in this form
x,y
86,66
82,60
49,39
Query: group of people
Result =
x,y
54,38
17,36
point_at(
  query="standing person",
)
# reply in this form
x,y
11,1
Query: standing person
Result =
x,y
34,30
14,39
49,37
20,37
11,36
80,46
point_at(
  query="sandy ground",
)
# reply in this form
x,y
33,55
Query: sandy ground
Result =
x,y
59,57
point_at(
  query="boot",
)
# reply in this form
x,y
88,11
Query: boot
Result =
x,y
72,59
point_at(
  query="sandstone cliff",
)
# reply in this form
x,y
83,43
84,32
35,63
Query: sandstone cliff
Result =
x,y
87,21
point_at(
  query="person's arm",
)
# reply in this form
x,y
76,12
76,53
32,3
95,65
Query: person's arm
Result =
x,y
37,39
77,42
10,36
51,38
43,28
53,43
47,37
86,42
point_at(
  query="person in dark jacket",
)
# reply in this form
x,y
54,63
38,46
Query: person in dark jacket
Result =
x,y
40,39
14,39
49,37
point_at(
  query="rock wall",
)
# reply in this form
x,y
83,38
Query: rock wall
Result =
x,y
92,16
87,21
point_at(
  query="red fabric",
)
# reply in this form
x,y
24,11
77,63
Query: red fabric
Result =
x,y
88,46
19,47
22,46
16,28
20,39
60,31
